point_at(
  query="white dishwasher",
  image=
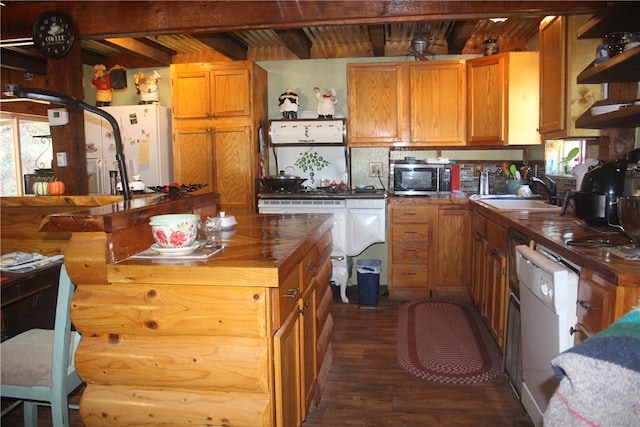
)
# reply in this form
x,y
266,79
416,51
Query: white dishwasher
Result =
x,y
548,295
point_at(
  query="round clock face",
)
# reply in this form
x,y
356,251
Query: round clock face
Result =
x,y
53,34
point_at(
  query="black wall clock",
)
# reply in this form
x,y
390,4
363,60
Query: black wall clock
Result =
x,y
53,34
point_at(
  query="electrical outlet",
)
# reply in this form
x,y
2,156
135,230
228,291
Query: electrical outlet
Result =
x,y
375,169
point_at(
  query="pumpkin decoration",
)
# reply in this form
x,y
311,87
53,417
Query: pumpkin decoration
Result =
x,y
41,188
55,188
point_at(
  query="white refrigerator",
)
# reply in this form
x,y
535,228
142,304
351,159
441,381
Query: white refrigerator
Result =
x,y
146,141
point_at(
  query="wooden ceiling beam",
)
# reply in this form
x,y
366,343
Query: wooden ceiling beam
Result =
x,y
142,50
225,44
108,19
459,35
378,41
296,41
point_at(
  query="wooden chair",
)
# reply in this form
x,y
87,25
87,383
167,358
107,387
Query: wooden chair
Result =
x,y
38,365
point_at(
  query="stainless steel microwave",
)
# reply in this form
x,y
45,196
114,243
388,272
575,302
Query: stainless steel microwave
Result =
x,y
410,177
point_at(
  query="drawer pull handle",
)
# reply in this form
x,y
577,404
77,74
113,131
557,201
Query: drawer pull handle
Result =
x,y
586,306
292,293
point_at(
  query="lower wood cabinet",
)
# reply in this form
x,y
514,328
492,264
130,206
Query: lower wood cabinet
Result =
x,y
429,249
601,303
489,282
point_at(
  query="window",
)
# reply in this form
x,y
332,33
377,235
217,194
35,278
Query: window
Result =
x,y
561,156
25,148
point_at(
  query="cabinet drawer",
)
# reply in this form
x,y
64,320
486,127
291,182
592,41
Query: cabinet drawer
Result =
x,y
286,297
308,267
410,233
409,215
479,224
410,253
594,307
497,235
410,276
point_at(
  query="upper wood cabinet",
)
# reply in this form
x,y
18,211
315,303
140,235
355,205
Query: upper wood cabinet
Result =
x,y
503,99
218,110
211,90
437,102
374,94
562,58
405,104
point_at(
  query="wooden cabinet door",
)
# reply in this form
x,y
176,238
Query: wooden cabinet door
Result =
x,y
478,264
496,292
453,254
308,346
486,100
287,372
553,91
562,58
437,94
232,162
231,93
190,94
375,98
192,152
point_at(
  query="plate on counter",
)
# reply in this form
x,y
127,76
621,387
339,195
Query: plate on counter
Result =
x,y
176,251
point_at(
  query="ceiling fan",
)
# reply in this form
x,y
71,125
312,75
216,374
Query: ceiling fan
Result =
x,y
421,44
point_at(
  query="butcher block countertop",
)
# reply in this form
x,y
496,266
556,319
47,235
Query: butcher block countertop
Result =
x,y
197,341
554,231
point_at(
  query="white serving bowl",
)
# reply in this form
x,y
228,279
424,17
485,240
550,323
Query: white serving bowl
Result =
x,y
174,230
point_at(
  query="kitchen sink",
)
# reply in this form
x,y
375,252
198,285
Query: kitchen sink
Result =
x,y
511,203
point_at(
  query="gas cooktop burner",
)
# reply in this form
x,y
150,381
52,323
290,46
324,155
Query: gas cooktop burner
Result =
x,y
609,241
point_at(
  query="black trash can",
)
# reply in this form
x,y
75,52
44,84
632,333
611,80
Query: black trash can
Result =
x,y
368,281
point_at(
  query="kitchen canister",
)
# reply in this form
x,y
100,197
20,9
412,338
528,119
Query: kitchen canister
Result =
x,y
513,185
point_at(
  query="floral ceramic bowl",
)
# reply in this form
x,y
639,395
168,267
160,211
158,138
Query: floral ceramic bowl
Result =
x,y
174,230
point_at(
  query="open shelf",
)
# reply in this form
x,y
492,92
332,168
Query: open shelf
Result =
x,y
624,67
627,117
620,16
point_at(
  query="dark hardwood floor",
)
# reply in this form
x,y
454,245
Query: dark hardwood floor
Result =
x,y
367,386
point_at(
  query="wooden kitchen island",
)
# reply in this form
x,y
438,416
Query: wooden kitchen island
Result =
x,y
237,339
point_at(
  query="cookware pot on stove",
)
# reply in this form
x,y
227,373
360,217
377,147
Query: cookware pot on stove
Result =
x,y
283,183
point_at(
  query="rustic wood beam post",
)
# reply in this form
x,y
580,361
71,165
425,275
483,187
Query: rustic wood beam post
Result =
x,y
65,75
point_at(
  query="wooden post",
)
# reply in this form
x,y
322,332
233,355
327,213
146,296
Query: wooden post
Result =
x,y
65,75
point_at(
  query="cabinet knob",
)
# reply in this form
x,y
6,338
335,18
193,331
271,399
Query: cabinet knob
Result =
x,y
311,266
573,330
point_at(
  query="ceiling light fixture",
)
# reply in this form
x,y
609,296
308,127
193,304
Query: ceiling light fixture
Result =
x,y
497,20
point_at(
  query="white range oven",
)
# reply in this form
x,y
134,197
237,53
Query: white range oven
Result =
x,y
358,222
316,151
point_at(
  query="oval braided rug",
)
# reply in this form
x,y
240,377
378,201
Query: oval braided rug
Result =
x,y
446,342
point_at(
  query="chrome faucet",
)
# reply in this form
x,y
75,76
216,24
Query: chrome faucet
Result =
x,y
551,189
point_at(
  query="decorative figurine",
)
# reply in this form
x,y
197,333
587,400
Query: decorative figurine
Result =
x,y
147,87
102,82
289,104
326,103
